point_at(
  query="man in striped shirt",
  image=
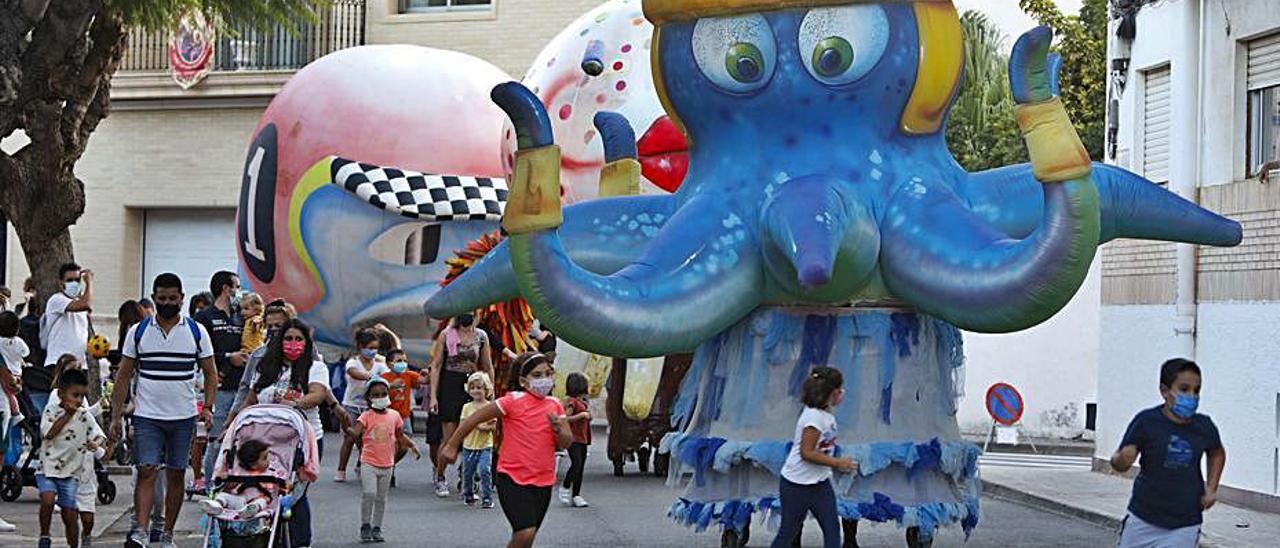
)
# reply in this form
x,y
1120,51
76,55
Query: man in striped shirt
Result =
x,y
166,351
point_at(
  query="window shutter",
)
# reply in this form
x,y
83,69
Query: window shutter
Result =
x,y
1157,125
1264,62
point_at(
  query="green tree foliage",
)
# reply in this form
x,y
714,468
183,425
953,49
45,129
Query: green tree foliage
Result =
x,y
981,131
1082,42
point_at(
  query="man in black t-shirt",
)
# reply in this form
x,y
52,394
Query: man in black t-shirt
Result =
x,y
1170,494
225,325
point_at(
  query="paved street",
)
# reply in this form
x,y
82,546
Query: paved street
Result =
x,y
627,512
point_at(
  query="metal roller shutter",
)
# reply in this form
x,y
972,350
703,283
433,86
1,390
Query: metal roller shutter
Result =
x,y
1264,62
1157,125
192,243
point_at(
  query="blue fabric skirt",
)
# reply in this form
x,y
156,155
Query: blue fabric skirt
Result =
x,y
735,417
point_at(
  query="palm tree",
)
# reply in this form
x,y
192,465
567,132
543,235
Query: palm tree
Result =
x,y
982,132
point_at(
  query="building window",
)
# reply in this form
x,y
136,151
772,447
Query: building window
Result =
x,y
1264,103
430,6
1156,124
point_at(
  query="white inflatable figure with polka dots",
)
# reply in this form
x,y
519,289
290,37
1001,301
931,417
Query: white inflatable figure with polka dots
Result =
x,y
601,63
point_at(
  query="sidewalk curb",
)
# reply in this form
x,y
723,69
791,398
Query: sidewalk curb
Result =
x,y
1037,502
1010,494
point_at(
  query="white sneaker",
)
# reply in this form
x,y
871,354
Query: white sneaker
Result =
x,y
250,510
579,502
565,496
6,527
210,506
442,488
340,476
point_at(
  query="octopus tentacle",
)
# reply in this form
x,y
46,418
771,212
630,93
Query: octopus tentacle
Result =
x,y
949,262
1011,199
602,236
703,267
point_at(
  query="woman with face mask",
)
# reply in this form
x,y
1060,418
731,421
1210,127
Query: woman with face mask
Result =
x,y
533,429
460,350
365,365
289,374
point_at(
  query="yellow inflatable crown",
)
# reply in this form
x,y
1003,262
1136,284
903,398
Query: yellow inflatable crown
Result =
x,y
665,11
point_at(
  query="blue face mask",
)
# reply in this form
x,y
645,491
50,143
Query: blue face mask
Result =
x,y
369,353
400,367
1184,406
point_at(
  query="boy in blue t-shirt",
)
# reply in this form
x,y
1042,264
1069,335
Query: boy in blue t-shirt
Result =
x,y
1170,495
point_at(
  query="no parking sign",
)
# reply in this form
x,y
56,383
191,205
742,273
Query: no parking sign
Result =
x,y
1004,404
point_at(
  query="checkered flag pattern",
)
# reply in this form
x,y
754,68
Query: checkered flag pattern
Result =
x,y
437,198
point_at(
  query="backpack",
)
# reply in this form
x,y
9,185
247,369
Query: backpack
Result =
x,y
146,322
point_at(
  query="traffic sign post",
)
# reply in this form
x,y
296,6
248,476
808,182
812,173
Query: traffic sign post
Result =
x,y
1005,405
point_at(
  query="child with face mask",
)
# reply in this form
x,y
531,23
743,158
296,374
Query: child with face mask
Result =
x,y
477,448
403,382
533,428
383,443
358,370
1169,495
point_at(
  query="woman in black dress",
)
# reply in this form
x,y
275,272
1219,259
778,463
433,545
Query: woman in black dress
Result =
x,y
459,351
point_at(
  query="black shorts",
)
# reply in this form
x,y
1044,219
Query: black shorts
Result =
x,y
524,505
434,433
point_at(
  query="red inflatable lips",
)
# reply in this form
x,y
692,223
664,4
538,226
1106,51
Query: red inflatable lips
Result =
x,y
664,154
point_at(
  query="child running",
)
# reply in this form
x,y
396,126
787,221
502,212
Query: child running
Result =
x,y
384,442
477,449
358,370
533,428
575,405
806,477
1169,495
69,432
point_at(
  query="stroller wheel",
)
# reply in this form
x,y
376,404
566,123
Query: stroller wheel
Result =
x,y
106,492
10,484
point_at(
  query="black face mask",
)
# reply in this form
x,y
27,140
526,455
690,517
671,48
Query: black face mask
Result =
x,y
466,320
168,311
272,333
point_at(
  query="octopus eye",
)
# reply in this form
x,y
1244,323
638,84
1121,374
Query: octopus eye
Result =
x,y
745,63
845,42
832,57
737,54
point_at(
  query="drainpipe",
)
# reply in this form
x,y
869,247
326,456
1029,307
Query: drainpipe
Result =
x,y
1186,169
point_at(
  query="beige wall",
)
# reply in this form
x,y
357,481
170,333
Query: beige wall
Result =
x,y
138,159
509,36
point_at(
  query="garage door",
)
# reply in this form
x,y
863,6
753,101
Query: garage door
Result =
x,y
192,243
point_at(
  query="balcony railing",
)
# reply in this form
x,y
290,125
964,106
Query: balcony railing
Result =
x,y
283,47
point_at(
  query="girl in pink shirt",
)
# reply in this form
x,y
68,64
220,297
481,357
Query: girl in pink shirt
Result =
x,y
383,443
533,429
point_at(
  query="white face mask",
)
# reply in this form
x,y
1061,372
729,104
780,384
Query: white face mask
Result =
x,y
72,289
380,403
542,386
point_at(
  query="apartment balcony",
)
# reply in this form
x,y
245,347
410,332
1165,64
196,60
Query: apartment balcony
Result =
x,y
247,61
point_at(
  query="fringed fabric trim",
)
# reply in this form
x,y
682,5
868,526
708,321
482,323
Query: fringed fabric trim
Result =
x,y
957,459
736,514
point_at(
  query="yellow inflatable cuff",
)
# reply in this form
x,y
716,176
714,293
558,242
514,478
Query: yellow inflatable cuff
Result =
x,y
620,178
534,201
1057,155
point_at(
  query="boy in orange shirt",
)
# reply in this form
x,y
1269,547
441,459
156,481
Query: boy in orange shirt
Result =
x,y
403,382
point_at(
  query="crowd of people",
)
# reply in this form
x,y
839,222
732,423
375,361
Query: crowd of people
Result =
x,y
175,383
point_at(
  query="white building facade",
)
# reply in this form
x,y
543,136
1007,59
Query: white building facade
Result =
x,y
1194,104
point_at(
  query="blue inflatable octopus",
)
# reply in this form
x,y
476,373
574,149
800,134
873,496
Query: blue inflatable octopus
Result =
x,y
821,207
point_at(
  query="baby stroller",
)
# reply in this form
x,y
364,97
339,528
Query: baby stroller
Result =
x,y
287,435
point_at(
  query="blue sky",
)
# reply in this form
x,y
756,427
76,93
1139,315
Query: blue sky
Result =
x,y
1007,15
